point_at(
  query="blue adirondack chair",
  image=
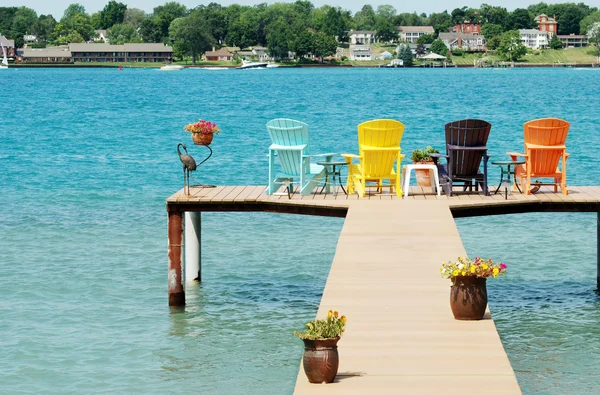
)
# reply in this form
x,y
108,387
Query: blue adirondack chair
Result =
x,y
290,145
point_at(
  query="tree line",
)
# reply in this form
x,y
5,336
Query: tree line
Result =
x,y
299,27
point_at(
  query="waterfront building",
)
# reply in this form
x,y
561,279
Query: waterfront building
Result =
x,y
547,24
45,55
466,27
152,52
411,34
9,46
466,41
221,54
573,40
533,38
361,52
358,37
102,35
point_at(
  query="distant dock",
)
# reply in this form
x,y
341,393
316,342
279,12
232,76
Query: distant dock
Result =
x,y
401,336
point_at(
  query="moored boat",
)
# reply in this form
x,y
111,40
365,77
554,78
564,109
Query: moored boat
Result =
x,y
171,67
252,65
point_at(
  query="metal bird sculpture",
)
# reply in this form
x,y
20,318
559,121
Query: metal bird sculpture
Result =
x,y
189,165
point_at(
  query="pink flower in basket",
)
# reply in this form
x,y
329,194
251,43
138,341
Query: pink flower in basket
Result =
x,y
202,126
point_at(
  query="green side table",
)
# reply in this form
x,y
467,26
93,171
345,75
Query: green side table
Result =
x,y
507,168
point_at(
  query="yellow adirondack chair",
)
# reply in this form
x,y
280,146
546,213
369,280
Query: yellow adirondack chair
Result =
x,y
544,150
379,148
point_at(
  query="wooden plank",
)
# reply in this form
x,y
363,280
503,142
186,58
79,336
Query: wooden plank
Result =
x,y
257,194
231,196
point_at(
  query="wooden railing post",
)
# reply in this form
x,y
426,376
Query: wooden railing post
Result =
x,y
176,292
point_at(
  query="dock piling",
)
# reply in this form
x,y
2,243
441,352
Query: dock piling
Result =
x,y
193,264
176,292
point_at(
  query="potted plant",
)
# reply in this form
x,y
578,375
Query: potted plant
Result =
x,y
468,293
320,359
202,131
423,156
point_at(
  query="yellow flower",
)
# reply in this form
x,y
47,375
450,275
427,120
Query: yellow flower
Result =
x,y
496,271
463,273
335,314
329,314
472,269
343,319
484,266
309,325
455,273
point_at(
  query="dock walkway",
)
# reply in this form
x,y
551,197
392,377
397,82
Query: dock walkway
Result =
x,y
401,336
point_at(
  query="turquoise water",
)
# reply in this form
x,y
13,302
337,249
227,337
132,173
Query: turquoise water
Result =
x,y
88,158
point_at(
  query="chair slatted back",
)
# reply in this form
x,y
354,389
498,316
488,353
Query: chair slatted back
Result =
x,y
382,133
546,132
289,132
466,133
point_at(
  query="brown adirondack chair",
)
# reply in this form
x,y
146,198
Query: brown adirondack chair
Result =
x,y
465,150
544,150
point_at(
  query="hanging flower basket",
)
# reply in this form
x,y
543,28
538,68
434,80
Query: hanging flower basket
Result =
x,y
202,131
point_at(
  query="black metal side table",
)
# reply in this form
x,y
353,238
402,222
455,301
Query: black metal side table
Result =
x,y
333,169
506,171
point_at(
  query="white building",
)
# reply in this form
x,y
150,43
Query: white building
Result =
x,y
358,37
465,41
360,52
411,34
534,39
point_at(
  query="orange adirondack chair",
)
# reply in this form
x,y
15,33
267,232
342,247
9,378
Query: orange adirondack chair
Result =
x,y
544,149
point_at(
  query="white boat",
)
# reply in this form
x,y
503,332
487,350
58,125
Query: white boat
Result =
x,y
214,68
4,64
253,65
171,67
272,65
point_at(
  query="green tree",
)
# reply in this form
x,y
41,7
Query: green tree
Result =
x,y
490,30
72,10
44,27
440,21
588,21
510,47
122,33
23,23
420,50
439,47
494,15
459,15
337,22
302,43
493,42
243,32
7,15
134,16
191,35
278,38
555,42
594,37
215,20
426,39
112,14
323,45
167,13
150,31
386,31
405,54
568,16
365,18
520,18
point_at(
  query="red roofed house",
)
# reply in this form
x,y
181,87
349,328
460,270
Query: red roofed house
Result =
x,y
215,56
547,24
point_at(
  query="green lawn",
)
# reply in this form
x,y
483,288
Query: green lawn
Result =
x,y
547,56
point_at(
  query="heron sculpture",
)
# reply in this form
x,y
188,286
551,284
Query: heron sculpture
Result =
x,y
189,165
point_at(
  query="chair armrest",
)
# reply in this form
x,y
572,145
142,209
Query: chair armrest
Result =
x,y
287,147
370,148
546,147
462,148
321,155
516,154
437,156
350,156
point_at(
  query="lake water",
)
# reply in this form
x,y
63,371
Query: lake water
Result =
x,y
88,158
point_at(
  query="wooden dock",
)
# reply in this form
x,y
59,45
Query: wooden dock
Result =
x,y
401,336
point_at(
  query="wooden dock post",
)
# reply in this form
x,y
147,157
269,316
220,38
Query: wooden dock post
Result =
x,y
193,263
176,292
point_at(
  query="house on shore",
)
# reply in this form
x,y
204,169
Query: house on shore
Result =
x,y
361,37
547,24
45,55
534,39
466,27
411,34
221,54
9,47
102,35
149,52
361,52
466,41
573,40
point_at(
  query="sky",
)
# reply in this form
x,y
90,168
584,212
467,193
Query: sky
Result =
x,y
57,7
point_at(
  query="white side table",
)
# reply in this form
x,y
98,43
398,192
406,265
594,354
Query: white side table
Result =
x,y
406,169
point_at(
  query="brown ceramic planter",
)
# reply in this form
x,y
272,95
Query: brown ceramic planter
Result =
x,y
202,138
321,360
468,297
423,175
